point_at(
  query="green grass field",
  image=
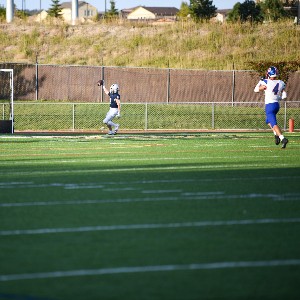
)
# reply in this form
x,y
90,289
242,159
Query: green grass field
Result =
x,y
149,216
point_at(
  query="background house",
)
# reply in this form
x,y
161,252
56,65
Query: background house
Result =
x,y
221,15
126,11
153,13
85,11
41,16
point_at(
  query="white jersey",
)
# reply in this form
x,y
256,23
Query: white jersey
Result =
x,y
273,89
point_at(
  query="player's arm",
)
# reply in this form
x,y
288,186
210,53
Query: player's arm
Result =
x,y
105,90
260,86
283,94
119,107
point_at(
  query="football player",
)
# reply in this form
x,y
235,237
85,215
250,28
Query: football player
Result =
x,y
115,107
274,91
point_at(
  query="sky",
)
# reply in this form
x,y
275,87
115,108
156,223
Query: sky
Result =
x,y
120,4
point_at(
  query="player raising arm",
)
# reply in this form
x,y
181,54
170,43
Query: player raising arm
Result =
x,y
115,106
274,91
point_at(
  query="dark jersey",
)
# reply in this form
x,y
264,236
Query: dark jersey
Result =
x,y
113,98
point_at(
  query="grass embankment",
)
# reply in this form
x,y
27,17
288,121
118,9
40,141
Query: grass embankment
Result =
x,y
178,45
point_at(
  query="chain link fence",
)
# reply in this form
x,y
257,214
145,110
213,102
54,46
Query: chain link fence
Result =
x,y
67,98
148,116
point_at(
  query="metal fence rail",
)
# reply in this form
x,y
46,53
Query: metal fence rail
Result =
x,y
148,116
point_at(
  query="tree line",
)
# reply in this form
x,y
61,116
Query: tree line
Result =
x,y
247,11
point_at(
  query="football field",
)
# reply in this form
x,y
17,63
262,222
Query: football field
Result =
x,y
149,216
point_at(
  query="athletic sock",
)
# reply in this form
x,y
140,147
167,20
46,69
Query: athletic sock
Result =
x,y
281,137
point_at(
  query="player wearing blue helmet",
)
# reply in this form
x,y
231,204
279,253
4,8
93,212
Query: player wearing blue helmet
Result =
x,y
274,91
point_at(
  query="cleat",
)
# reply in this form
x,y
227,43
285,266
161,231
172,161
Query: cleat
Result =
x,y
116,128
277,140
284,142
110,133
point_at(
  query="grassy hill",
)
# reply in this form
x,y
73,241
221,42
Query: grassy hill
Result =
x,y
178,45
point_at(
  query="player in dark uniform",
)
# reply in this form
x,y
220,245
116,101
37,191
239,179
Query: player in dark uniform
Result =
x,y
115,107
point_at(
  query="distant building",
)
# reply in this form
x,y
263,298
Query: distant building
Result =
x,y
41,16
85,10
126,11
150,13
221,15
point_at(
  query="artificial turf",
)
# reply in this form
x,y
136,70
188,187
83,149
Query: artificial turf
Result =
x,y
149,216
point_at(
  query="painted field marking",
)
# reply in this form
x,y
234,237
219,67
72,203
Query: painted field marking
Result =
x,y
182,197
147,226
79,159
137,169
159,268
32,184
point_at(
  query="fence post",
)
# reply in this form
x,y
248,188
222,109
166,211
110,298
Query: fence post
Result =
x,y
36,79
285,116
102,75
73,117
213,116
168,86
233,87
146,116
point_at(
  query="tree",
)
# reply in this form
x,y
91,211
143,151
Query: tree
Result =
x,y
112,12
285,68
246,11
202,9
2,13
184,10
234,14
55,10
273,10
250,11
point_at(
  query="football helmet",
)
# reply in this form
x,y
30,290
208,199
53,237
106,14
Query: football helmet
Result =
x,y
272,72
114,88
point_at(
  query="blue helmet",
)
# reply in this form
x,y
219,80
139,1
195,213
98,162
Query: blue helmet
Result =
x,y
272,72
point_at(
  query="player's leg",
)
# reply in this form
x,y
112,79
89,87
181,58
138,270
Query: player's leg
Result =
x,y
107,121
283,140
277,139
115,125
271,111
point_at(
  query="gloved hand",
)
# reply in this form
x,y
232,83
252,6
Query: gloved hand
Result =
x,y
100,82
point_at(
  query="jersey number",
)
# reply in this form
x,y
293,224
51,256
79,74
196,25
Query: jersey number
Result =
x,y
276,89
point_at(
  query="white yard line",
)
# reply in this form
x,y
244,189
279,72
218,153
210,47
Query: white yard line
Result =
x,y
186,196
32,184
159,268
79,159
147,226
144,168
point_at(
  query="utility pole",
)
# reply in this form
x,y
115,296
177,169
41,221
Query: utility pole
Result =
x,y
74,11
9,10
